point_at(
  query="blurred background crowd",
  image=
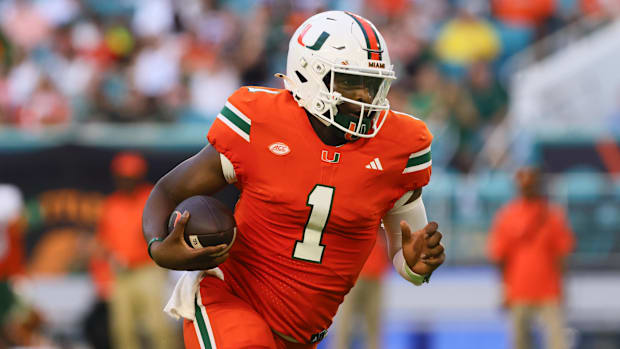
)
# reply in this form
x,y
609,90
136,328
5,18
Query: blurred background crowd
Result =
x,y
501,84
67,62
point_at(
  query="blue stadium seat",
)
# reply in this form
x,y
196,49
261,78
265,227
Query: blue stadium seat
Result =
x,y
442,185
497,187
582,187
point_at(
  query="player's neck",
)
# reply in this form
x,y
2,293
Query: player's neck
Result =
x,y
328,134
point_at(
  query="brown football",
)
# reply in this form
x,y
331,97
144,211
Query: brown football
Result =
x,y
210,222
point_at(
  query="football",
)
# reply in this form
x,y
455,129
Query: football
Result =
x,y
210,222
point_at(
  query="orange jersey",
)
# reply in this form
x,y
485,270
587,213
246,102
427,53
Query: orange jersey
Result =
x,y
120,226
530,237
308,214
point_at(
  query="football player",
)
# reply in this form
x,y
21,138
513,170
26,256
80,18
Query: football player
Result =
x,y
320,165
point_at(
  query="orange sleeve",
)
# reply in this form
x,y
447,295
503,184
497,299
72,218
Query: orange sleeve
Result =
x,y
563,234
417,169
103,225
498,244
231,132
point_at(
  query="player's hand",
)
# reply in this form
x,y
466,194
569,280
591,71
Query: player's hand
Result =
x,y
422,249
174,253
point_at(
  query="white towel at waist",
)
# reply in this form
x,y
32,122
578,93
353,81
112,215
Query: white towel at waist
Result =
x,y
181,303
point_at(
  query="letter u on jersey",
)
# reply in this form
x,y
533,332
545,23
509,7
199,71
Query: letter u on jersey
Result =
x,y
333,159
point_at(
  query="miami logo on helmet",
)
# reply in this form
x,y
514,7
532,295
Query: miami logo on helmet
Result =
x,y
317,44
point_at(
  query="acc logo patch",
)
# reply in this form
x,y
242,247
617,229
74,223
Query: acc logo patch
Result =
x,y
279,148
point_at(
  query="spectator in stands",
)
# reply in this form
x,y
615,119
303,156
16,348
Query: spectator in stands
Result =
x,y
364,300
136,296
528,13
137,51
21,80
115,100
5,52
599,8
210,87
47,106
449,112
4,99
466,39
520,23
529,241
490,102
24,23
489,98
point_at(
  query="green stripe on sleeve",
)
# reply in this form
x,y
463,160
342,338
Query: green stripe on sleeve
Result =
x,y
418,160
235,119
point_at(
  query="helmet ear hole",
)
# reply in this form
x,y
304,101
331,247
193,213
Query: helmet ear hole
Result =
x,y
300,76
328,81
319,68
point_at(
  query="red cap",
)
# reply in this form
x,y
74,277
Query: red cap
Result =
x,y
128,164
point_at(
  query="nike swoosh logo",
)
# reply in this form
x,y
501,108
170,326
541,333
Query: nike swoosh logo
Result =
x,y
339,48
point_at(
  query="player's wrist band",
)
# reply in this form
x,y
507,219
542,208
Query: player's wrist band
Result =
x,y
151,242
416,278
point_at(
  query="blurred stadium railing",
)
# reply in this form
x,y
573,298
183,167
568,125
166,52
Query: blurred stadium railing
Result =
x,y
463,204
74,165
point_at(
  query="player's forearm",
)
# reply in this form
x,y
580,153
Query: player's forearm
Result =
x,y
156,212
414,213
199,175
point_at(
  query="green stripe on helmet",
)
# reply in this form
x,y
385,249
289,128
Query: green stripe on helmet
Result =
x,y
365,34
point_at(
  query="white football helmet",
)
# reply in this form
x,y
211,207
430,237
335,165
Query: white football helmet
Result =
x,y
337,45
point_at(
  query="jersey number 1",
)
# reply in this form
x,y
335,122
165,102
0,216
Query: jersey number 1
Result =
x,y
309,248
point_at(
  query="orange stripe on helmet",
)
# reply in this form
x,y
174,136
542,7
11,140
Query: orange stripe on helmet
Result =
x,y
371,35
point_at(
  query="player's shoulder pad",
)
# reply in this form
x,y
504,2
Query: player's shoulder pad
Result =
x,y
252,101
413,139
409,131
247,106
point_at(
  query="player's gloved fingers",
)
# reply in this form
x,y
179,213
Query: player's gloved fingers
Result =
x,y
433,240
433,252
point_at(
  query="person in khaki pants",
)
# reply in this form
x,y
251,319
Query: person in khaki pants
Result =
x,y
136,295
364,300
529,240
